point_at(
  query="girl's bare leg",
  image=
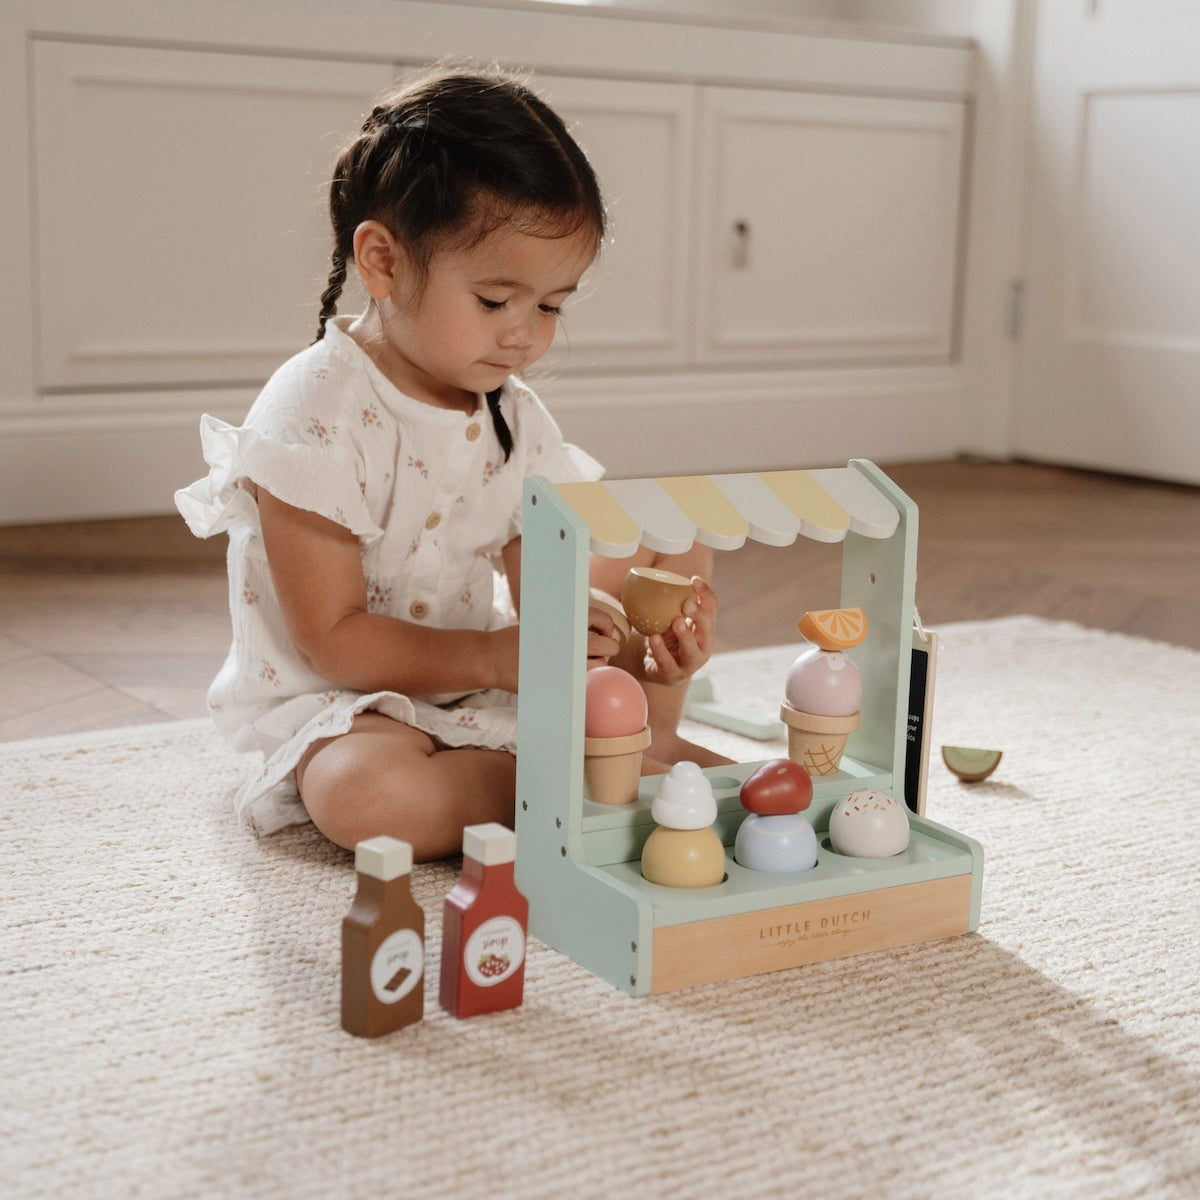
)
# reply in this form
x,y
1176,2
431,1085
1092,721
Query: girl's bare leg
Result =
x,y
666,746
385,777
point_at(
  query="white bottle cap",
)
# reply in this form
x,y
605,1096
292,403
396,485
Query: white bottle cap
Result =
x,y
383,858
489,844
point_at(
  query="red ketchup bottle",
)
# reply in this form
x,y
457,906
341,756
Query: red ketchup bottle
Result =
x,y
483,927
383,942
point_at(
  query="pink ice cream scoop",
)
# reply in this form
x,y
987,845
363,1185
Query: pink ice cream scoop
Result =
x,y
824,682
615,704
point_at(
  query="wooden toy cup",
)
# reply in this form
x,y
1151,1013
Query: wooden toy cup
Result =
x,y
816,742
612,766
653,599
621,627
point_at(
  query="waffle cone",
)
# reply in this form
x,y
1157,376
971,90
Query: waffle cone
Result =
x,y
815,741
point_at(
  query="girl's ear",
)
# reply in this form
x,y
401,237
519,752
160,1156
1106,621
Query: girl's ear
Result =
x,y
377,258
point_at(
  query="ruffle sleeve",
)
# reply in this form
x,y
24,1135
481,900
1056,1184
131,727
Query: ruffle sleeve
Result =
x,y
570,464
323,481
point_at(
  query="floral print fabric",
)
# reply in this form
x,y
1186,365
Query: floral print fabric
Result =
x,y
429,495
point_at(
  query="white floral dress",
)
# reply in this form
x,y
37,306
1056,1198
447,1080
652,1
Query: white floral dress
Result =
x,y
432,501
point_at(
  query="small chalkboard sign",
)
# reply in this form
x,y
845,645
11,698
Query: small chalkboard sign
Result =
x,y
920,717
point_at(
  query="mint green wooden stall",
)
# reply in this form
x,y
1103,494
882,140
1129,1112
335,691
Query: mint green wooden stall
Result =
x,y
579,862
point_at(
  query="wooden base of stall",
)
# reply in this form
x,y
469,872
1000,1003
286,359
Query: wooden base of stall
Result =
x,y
797,934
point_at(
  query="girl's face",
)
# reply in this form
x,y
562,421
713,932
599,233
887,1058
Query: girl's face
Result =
x,y
484,313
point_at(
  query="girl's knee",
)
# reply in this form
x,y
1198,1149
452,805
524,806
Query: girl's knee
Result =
x,y
353,785
388,778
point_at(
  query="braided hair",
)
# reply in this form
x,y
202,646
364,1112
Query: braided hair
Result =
x,y
446,159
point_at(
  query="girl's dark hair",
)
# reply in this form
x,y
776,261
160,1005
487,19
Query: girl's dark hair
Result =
x,y
449,157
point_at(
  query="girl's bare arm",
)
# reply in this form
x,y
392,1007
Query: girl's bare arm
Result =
x,y
316,568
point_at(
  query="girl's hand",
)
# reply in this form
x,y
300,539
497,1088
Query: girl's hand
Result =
x,y
503,647
676,656
603,640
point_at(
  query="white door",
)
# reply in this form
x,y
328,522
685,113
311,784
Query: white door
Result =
x,y
1110,349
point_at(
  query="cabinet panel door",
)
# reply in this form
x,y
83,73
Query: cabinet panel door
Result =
x,y
631,310
182,235
829,227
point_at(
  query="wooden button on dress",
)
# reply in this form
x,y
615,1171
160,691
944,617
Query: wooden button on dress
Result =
x,y
418,610
473,431
433,520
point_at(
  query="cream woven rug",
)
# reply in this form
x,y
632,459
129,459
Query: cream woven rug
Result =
x,y
169,1009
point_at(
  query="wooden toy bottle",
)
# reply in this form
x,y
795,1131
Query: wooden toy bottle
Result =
x,y
383,943
483,927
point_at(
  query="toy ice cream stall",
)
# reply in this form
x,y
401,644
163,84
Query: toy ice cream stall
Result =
x,y
579,862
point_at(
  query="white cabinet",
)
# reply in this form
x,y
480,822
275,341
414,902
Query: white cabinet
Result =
x,y
192,248
828,227
779,284
182,233
762,227
749,226
639,139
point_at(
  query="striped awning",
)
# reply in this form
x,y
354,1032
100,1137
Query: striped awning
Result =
x,y
669,514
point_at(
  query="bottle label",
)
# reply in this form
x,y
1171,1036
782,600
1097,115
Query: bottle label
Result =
x,y
397,966
494,951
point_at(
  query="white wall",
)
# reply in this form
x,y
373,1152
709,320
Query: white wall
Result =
x,y
956,17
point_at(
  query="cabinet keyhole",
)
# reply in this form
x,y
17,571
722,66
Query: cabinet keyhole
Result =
x,y
741,245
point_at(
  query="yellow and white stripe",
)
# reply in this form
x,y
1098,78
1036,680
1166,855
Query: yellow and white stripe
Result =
x,y
775,507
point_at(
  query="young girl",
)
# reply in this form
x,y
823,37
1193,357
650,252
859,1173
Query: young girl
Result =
x,y
377,484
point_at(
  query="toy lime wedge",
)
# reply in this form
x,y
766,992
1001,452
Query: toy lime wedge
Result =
x,y
971,765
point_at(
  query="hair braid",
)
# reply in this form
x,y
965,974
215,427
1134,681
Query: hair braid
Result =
x,y
503,433
329,297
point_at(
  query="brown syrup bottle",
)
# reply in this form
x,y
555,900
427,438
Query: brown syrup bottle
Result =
x,y
383,943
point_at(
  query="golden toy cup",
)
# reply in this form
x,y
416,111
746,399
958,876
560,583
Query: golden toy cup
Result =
x,y
652,598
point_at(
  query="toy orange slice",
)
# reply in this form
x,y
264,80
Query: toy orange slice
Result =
x,y
834,628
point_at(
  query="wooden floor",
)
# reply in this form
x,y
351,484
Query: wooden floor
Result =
x,y
115,623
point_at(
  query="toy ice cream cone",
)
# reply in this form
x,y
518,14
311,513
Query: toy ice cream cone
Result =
x,y
612,766
816,742
683,850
